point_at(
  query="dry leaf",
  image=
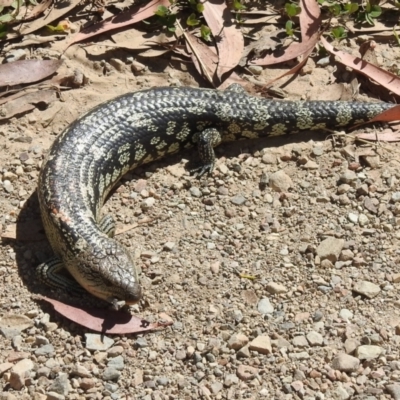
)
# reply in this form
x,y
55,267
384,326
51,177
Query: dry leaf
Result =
x,y
269,41
27,102
125,18
27,71
229,38
47,19
105,321
384,78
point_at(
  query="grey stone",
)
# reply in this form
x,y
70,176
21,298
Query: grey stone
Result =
x,y
348,177
162,381
368,352
345,363
117,363
111,374
346,314
367,289
315,338
300,341
195,191
230,379
264,306
216,387
238,200
45,350
60,385
97,342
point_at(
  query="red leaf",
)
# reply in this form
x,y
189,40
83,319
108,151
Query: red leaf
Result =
x,y
105,321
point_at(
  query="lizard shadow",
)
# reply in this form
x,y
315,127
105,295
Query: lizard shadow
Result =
x,y
30,244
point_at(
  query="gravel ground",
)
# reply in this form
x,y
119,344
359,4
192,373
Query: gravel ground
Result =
x,y
280,271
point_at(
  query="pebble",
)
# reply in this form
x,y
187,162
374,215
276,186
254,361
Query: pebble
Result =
x,y
352,217
300,341
246,372
195,191
115,351
19,373
45,350
97,342
141,342
169,246
238,200
368,352
261,344
330,249
111,374
117,363
395,197
348,177
60,385
264,306
216,387
315,338
280,181
230,379
394,390
345,363
367,289
275,288
238,341
346,314
80,370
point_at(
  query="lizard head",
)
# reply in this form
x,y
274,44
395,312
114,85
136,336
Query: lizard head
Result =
x,y
108,272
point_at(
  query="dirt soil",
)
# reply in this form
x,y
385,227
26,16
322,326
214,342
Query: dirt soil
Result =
x,y
284,290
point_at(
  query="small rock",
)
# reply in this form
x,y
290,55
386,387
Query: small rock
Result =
x,y
117,363
246,373
352,217
261,344
368,352
346,314
45,350
97,342
394,391
195,191
230,380
367,289
216,387
60,385
350,345
238,200
395,197
348,177
115,351
269,158
238,341
275,288
280,182
19,373
330,249
54,396
300,341
169,246
87,383
80,370
345,363
264,306
315,338
363,220
111,374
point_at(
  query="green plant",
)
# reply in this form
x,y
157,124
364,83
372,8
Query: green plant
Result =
x,y
166,17
338,33
292,9
369,13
